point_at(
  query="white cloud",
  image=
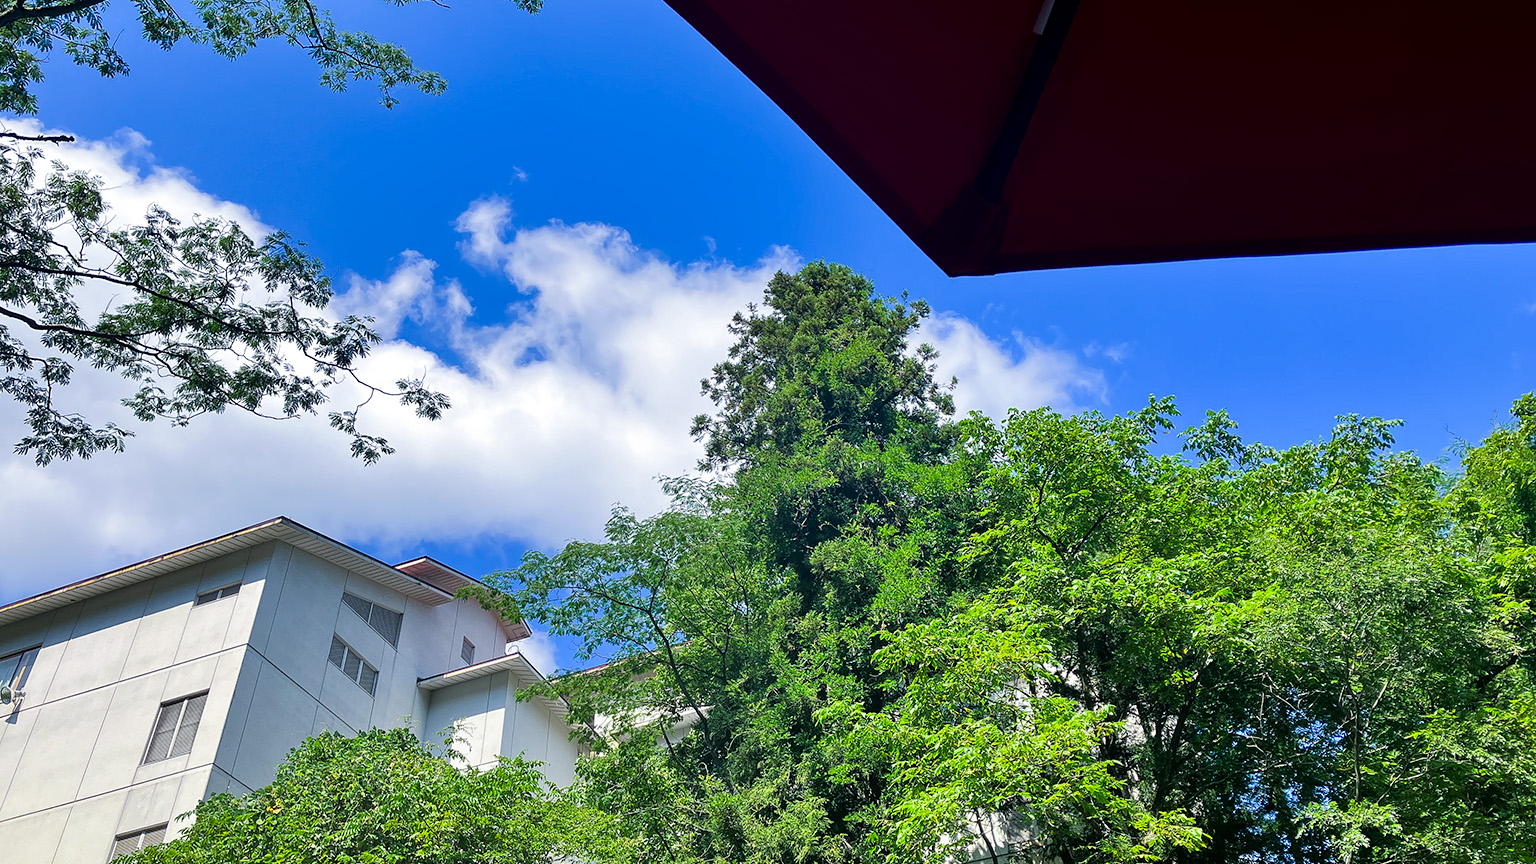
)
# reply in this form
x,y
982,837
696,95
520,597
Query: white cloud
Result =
x,y
578,399
540,650
409,293
1116,353
996,376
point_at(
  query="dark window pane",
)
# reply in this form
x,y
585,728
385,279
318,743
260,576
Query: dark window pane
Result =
x,y
338,651
159,746
126,843
165,732
191,715
14,668
357,604
217,594
387,624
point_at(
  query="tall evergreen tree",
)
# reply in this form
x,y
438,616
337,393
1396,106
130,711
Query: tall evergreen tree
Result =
x,y
760,601
880,635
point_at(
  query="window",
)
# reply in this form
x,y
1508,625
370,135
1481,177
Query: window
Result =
x,y
385,622
353,666
175,728
217,594
14,668
137,840
468,653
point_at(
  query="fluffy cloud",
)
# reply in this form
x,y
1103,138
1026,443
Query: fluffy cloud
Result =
x,y
1020,373
578,397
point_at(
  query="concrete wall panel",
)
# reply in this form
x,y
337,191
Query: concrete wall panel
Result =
x,y
529,734
239,709
219,782
35,838
281,715
26,634
271,590
560,759
147,805
91,829
467,705
374,592
193,788
425,637
325,721
216,713
248,602
207,625
57,752
188,678
498,697
345,698
55,643
308,607
356,632
15,730
159,636
99,643
116,753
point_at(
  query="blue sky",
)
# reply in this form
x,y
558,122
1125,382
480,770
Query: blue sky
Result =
x,y
615,112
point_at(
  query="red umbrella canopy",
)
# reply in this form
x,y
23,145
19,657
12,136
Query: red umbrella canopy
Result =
x,y
1029,135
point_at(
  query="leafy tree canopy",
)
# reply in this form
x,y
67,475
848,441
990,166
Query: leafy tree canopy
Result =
x,y
383,797
30,31
886,635
824,361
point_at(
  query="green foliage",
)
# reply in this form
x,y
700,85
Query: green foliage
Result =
x,y
982,760
886,636
827,360
184,319
751,604
1496,498
204,318
381,797
30,32
1283,633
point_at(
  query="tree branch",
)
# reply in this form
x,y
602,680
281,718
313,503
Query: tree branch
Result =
x,y
22,13
46,139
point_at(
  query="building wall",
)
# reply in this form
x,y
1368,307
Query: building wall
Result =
x,y
492,723
70,772
294,691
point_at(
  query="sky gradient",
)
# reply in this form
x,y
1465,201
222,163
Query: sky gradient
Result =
x,y
599,185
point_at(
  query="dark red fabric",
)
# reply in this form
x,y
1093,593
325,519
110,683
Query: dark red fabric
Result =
x,y
1168,130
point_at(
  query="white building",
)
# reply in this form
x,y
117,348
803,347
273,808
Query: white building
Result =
x,y
146,689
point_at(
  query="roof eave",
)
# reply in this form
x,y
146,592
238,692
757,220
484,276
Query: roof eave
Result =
x,y
513,662
280,529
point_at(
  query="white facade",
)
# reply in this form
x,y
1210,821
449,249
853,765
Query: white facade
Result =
x,y
78,771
